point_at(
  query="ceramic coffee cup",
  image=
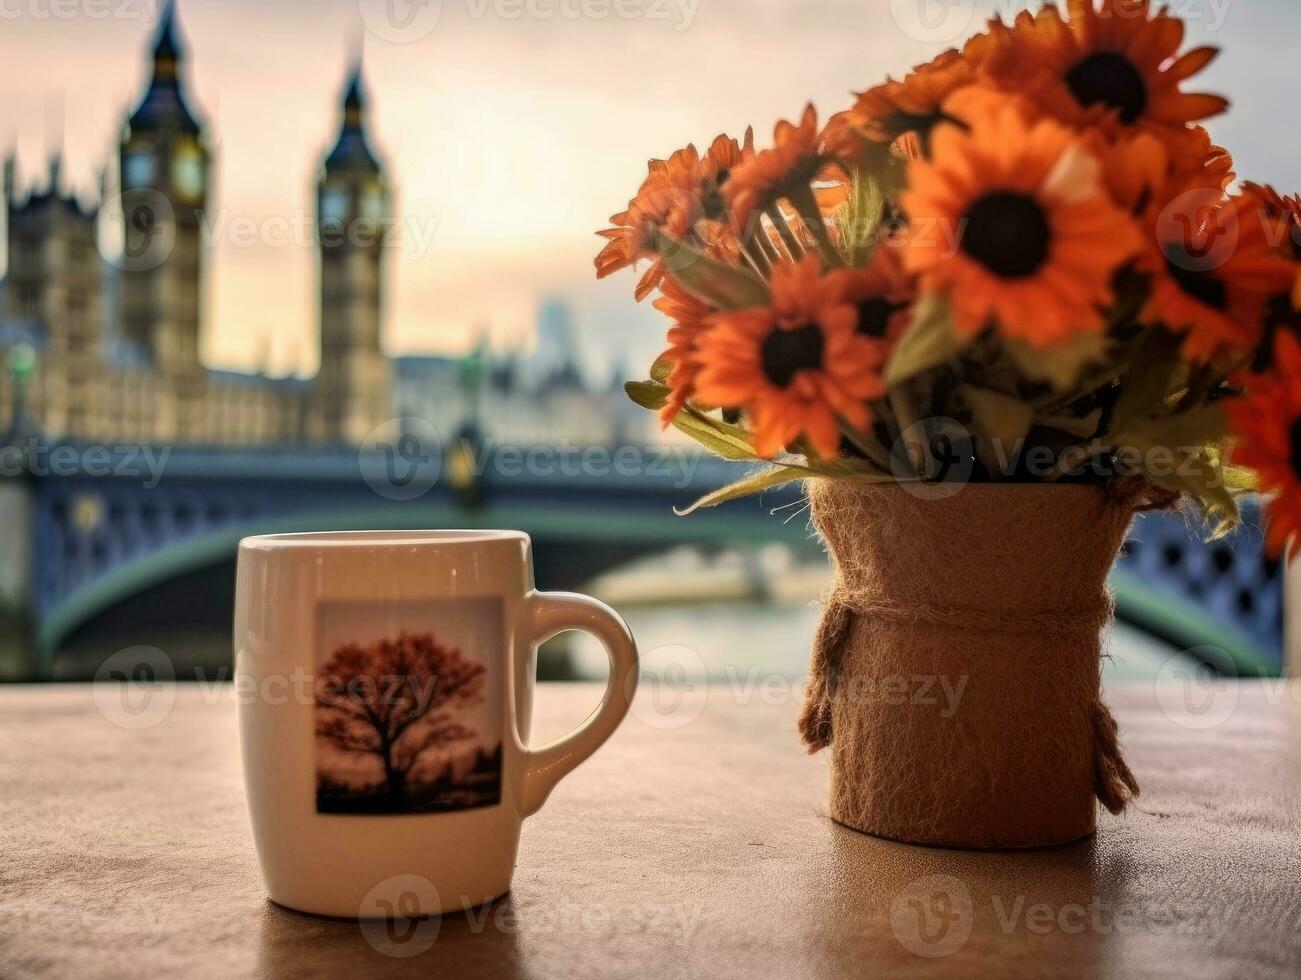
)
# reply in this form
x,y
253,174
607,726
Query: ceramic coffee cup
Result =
x,y
385,682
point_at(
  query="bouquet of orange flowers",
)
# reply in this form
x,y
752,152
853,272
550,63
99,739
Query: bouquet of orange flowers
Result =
x,y
1024,261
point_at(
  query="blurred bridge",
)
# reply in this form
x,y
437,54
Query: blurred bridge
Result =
x,y
86,528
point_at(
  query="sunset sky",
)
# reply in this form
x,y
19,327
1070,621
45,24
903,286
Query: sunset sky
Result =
x,y
511,129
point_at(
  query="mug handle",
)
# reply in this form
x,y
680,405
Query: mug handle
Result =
x,y
555,612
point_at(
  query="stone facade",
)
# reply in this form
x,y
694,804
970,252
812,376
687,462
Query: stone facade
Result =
x,y
103,342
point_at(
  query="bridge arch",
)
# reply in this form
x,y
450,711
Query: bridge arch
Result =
x,y
634,533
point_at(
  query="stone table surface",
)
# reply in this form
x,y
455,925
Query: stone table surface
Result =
x,y
695,844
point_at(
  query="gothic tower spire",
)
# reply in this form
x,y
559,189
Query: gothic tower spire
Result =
x,y
352,218
352,148
164,167
164,105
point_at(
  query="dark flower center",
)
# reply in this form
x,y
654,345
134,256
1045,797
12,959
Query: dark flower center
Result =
x,y
874,316
787,352
1008,233
1296,447
1279,317
1110,79
1198,284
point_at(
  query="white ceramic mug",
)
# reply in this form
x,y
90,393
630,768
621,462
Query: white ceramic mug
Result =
x,y
385,682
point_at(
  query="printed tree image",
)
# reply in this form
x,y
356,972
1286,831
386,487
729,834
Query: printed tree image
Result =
x,y
396,700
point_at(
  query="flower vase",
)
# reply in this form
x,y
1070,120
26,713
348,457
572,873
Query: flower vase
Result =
x,y
956,675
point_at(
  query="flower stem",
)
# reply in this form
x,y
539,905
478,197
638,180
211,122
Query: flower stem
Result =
x,y
783,229
906,419
868,444
768,246
754,252
806,206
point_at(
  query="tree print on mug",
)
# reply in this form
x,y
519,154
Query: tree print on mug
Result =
x,y
401,727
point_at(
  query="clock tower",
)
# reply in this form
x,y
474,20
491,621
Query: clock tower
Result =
x,y
164,168
353,216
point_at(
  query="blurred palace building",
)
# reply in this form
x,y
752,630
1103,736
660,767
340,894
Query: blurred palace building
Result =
x,y
107,349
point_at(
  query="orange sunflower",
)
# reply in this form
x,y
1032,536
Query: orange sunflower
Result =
x,y
688,315
677,194
669,200
1283,309
1214,267
1112,63
1009,220
798,366
790,165
894,108
724,155
1139,169
882,294
1267,421
1286,210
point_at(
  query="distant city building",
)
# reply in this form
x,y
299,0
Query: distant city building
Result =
x,y
505,396
101,350
116,344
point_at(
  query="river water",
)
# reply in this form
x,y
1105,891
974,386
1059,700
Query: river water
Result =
x,y
744,643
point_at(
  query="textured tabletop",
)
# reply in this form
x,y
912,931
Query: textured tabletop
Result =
x,y
695,844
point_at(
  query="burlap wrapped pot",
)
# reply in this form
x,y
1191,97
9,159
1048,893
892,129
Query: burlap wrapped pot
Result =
x,y
956,671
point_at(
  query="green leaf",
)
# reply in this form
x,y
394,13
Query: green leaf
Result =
x,y
1202,478
848,468
780,475
661,369
1240,479
1001,424
1061,365
719,437
724,286
650,395
748,486
1182,453
860,219
1154,366
1196,428
929,340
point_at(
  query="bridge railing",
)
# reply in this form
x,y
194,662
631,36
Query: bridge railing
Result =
x,y
103,522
